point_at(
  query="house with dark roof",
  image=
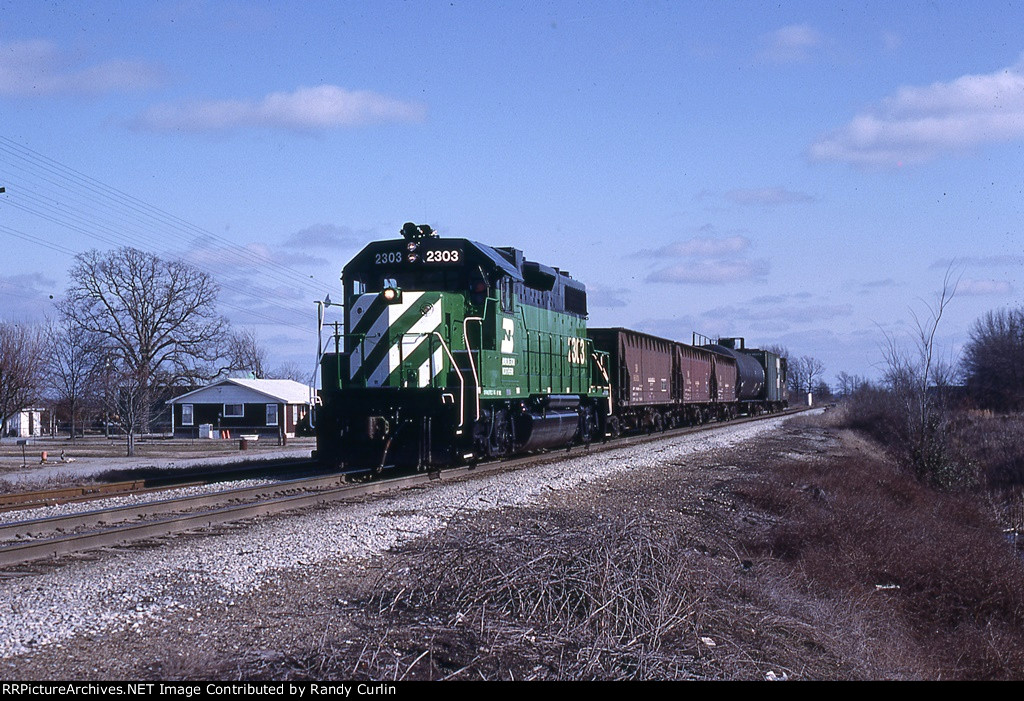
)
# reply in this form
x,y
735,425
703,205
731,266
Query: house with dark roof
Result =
x,y
235,407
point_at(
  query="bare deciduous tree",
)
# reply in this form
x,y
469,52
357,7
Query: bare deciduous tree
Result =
x,y
157,319
291,371
21,366
847,384
804,374
245,353
993,363
73,363
128,400
912,375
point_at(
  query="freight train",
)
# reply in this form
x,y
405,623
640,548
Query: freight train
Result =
x,y
452,351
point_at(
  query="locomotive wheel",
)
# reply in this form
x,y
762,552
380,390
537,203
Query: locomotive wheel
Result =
x,y
501,435
613,426
503,440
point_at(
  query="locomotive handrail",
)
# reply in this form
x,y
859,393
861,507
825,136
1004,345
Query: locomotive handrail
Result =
x,y
455,366
361,337
600,366
469,352
462,381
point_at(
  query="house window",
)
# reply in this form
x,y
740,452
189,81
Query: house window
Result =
x,y
186,414
234,411
271,414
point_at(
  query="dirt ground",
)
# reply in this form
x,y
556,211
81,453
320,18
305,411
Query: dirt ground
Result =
x,y
682,574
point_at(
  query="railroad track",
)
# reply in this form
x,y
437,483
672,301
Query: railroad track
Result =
x,y
36,539
152,483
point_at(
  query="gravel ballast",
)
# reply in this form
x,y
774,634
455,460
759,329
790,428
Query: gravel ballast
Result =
x,y
125,590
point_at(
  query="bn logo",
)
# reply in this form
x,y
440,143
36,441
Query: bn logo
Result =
x,y
508,328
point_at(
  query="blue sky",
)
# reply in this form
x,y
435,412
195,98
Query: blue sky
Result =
x,y
797,173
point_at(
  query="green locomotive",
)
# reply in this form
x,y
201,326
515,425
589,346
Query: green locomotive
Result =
x,y
454,351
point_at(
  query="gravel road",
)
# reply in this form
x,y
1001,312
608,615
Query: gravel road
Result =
x,y
125,589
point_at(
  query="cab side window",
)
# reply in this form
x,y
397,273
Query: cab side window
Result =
x,y
507,294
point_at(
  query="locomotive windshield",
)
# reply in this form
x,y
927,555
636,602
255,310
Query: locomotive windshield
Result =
x,y
438,265
461,279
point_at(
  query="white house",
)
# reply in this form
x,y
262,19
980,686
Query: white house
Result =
x,y
241,406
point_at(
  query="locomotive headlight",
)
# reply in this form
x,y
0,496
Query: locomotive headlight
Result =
x,y
411,246
392,295
412,257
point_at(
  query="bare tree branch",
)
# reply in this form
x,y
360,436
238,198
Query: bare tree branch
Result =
x,y
21,368
156,319
73,366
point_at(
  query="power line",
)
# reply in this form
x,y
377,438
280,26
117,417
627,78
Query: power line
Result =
x,y
61,195
68,178
94,194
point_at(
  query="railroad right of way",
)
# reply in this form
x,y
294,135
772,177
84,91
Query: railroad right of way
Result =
x,y
125,589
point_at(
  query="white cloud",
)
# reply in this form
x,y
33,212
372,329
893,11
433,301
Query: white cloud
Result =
x,y
327,236
974,288
891,41
768,196
777,300
305,109
792,43
38,67
712,271
610,297
920,123
26,296
999,261
700,246
802,313
245,259
705,260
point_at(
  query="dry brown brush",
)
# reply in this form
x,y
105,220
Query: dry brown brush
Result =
x,y
607,599
930,563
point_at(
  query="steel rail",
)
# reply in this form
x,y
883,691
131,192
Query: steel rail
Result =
x,y
120,514
186,477
63,545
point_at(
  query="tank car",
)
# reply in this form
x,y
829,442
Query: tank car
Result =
x,y
761,376
451,350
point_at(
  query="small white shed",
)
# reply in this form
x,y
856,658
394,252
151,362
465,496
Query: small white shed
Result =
x,y
27,423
